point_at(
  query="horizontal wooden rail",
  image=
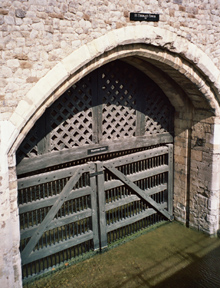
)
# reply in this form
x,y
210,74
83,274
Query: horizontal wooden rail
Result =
x,y
50,176
49,201
132,198
28,232
52,249
130,220
60,157
136,176
138,156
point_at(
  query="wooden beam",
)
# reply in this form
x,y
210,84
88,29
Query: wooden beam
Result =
x,y
50,176
132,198
51,214
28,232
130,220
140,192
49,201
101,206
138,156
50,250
170,179
65,156
138,176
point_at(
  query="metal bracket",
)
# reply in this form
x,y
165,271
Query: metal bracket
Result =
x,y
96,173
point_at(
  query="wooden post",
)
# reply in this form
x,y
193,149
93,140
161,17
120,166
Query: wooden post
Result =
x,y
94,206
101,205
170,179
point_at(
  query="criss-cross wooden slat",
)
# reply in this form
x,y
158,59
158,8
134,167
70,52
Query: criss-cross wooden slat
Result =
x,y
53,211
119,98
140,192
70,119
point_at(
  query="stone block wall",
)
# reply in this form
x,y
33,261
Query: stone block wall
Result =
x,y
35,35
43,43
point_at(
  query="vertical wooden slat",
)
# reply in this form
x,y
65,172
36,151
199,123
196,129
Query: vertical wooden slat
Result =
x,y
101,205
96,106
170,179
94,208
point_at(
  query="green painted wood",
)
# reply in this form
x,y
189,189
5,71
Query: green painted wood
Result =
x,y
28,232
56,158
53,211
101,206
49,176
34,205
62,245
94,205
140,192
138,176
132,198
170,179
130,220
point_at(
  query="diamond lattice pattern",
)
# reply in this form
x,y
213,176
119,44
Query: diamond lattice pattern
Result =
x,y
119,103
71,117
28,148
158,111
120,91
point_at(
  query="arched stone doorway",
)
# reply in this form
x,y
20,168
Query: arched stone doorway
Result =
x,y
190,81
113,128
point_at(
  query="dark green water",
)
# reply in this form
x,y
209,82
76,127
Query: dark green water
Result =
x,y
171,256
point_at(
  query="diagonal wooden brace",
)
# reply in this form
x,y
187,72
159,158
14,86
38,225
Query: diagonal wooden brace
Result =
x,y
51,214
140,192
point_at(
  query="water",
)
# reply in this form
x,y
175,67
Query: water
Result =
x,y
171,256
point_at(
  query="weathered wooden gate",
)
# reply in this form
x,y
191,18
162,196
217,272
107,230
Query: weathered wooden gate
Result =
x,y
96,167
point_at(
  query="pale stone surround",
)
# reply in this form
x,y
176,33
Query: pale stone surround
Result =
x,y
195,96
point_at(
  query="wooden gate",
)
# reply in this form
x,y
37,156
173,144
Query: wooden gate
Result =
x,y
72,211
133,193
96,167
58,217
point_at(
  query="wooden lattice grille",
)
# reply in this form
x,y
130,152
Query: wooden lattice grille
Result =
x,y
158,113
71,117
119,93
113,103
29,148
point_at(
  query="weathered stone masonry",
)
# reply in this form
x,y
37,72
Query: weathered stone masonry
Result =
x,y
48,45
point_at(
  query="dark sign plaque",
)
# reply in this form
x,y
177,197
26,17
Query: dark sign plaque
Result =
x,y
97,150
144,17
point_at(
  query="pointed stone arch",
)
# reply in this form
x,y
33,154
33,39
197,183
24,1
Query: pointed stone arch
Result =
x,y
181,65
150,43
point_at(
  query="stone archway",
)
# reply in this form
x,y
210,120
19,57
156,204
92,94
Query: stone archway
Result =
x,y
157,44
182,66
